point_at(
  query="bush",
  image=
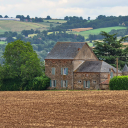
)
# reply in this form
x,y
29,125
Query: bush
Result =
x,y
119,83
10,85
38,83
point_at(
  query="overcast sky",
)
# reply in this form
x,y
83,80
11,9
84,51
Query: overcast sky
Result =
x,y
62,8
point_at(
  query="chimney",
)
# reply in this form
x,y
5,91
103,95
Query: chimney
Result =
x,y
78,49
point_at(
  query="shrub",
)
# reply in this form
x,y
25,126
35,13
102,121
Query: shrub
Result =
x,y
38,83
119,83
10,85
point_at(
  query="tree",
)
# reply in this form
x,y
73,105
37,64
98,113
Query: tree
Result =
x,y
45,32
5,16
25,32
51,25
9,39
1,16
48,18
28,17
19,37
110,49
66,18
21,62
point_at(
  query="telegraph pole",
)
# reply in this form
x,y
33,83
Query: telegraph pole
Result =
x,y
116,66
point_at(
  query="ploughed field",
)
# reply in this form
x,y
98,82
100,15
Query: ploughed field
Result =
x,y
38,109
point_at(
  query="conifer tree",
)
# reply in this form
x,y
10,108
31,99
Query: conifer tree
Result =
x,y
110,49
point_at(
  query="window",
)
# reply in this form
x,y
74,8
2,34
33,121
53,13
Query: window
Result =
x,y
79,81
94,82
53,71
64,83
53,83
64,71
111,75
86,84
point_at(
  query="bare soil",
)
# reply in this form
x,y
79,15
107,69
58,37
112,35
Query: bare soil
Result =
x,y
77,109
81,29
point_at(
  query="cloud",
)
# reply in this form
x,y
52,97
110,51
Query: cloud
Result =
x,y
62,8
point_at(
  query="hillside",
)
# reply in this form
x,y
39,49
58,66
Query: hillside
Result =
x,y
18,26
72,29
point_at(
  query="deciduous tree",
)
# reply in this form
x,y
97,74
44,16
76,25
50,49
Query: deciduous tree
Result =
x,y
21,62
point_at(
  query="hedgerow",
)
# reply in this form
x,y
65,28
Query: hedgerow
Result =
x,y
119,83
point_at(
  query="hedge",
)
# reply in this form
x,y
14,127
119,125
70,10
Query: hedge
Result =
x,y
119,83
38,83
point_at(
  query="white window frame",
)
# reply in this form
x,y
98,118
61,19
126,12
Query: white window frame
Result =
x,y
64,71
53,83
86,86
64,83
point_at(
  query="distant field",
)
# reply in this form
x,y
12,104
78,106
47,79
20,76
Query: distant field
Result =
x,y
31,35
90,44
18,26
55,21
2,42
96,31
80,29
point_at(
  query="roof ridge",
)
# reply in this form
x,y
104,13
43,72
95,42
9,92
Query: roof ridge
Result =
x,y
71,42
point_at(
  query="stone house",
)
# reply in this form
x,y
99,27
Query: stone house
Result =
x,y
73,65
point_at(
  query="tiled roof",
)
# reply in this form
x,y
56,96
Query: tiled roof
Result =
x,y
95,66
125,69
65,50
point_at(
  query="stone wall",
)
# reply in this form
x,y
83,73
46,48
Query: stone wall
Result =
x,y
77,63
87,77
86,54
125,73
58,64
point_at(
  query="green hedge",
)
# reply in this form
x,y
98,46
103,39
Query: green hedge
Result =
x,y
38,83
10,85
119,83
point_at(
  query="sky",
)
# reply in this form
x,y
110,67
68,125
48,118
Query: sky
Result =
x,y
61,8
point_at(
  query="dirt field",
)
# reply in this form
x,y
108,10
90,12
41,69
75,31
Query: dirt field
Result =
x,y
75,109
81,29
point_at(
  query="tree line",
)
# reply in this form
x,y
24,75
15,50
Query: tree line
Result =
x,y
101,21
42,42
27,18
